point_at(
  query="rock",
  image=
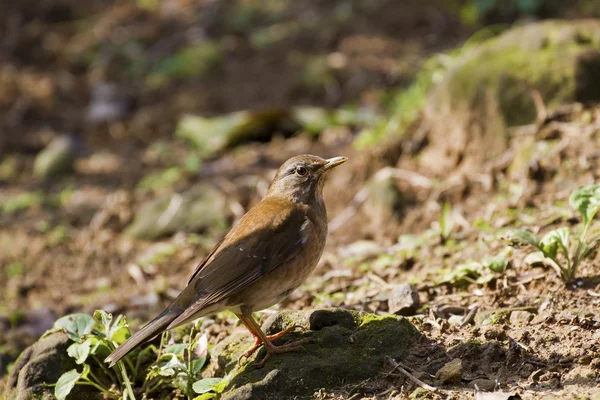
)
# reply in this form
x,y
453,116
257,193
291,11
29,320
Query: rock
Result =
x,y
404,299
56,158
488,89
499,315
451,372
580,375
347,347
485,385
520,318
41,364
212,134
456,320
385,205
201,208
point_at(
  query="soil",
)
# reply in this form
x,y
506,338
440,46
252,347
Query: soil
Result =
x,y
67,252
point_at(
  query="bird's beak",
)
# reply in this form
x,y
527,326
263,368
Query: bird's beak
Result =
x,y
334,162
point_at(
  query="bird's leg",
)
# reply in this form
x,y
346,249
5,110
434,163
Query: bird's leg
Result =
x,y
261,338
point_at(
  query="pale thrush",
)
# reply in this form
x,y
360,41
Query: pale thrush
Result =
x,y
263,258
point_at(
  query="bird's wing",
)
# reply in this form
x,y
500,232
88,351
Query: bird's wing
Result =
x,y
255,246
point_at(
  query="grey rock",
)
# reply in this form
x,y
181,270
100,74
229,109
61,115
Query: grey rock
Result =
x,y
198,209
404,299
485,385
520,318
451,372
41,364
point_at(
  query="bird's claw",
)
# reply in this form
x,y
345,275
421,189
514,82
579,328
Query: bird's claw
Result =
x,y
258,342
285,348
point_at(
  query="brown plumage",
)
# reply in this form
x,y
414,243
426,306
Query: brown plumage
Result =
x,y
263,258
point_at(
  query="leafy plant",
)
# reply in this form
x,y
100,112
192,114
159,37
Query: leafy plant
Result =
x,y
556,245
94,338
177,366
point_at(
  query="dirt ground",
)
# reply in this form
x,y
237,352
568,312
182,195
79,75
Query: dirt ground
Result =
x,y
65,251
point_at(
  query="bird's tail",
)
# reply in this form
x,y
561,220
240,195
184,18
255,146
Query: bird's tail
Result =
x,y
153,328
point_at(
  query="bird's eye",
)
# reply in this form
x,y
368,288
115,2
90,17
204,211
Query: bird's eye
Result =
x,y
301,171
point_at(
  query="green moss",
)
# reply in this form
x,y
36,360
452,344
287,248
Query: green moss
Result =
x,y
21,202
330,358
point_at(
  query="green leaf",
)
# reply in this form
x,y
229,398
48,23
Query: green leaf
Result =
x,y
497,264
65,384
103,318
116,330
119,330
586,200
206,396
168,364
80,351
197,365
205,385
221,386
535,258
180,381
519,238
76,325
177,348
554,241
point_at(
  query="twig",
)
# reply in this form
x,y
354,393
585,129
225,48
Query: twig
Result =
x,y
469,317
410,376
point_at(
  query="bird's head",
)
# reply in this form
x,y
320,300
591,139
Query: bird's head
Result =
x,y
301,178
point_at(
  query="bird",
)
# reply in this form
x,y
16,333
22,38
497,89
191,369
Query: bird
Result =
x,y
265,256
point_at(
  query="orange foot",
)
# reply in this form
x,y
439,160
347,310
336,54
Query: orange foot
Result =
x,y
285,348
258,342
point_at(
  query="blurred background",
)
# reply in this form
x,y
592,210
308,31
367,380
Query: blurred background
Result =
x,y
133,133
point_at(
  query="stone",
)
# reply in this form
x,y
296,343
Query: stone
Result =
x,y
485,385
520,318
581,375
56,158
201,208
499,315
42,364
404,299
346,347
451,372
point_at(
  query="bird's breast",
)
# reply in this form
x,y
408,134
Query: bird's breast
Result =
x,y
279,283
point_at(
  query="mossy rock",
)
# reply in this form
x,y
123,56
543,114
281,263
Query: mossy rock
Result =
x,y
346,347
210,135
42,364
198,209
491,88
